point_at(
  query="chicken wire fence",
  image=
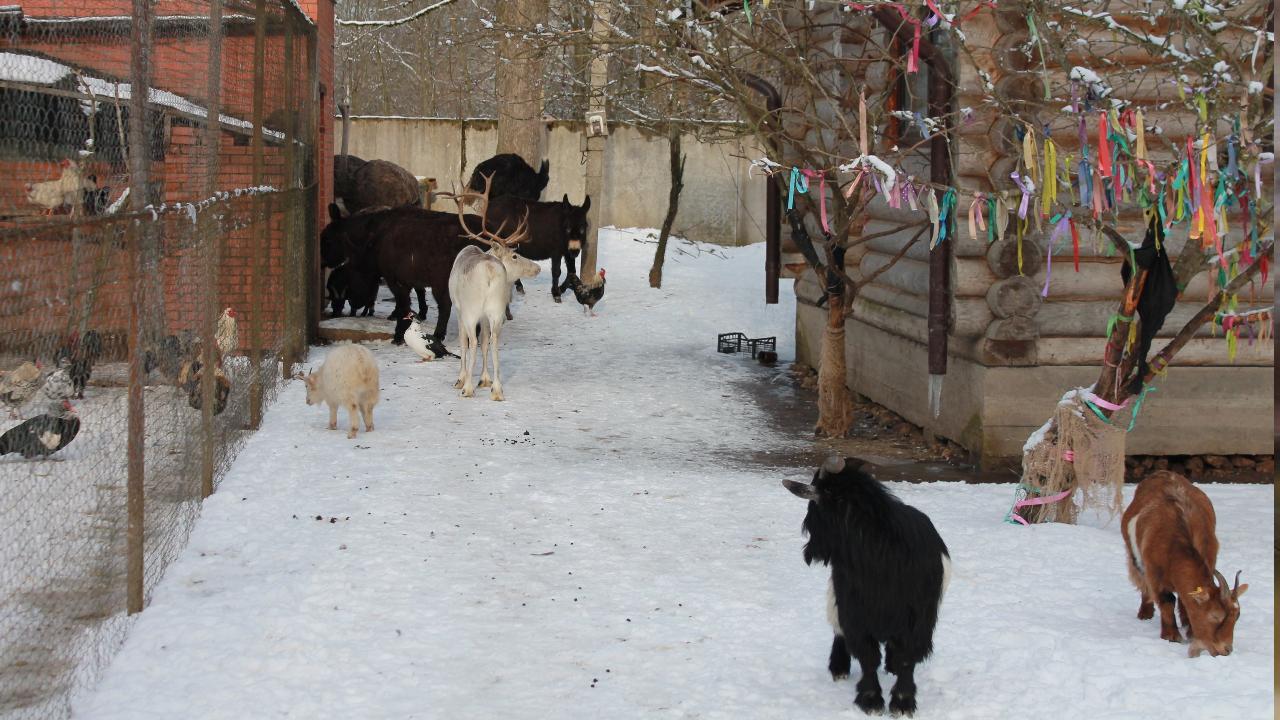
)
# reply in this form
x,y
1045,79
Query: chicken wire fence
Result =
x,y
154,287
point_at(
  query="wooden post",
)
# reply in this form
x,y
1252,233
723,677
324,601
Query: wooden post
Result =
x,y
292,272
211,308
261,221
595,143
314,273
139,177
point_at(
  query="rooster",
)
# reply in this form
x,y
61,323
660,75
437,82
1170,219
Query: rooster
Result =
x,y
587,296
78,356
227,335
44,434
19,385
167,356
68,189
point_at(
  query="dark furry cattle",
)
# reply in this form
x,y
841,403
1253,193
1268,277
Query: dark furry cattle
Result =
x,y
512,176
383,183
410,248
557,230
345,168
365,184
361,285
889,569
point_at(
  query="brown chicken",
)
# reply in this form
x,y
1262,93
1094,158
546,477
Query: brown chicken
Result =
x,y
19,385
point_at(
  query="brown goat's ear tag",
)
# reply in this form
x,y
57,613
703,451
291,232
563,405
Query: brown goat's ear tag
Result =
x,y
801,490
1198,594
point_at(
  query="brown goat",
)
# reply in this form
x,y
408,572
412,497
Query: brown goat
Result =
x,y
1169,539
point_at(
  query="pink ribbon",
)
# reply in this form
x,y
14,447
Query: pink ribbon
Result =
x,y
1104,404
822,196
1036,501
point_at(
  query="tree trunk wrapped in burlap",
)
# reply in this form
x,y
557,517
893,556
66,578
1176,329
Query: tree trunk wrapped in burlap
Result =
x,y
1093,472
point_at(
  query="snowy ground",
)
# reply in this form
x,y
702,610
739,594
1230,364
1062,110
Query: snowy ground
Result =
x,y
598,546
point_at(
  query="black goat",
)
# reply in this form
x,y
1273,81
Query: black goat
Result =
x,y
362,283
889,570
512,176
347,286
557,230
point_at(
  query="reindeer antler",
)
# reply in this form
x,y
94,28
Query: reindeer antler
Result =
x,y
493,238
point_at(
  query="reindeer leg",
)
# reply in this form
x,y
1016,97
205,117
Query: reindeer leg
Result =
x,y
495,328
483,334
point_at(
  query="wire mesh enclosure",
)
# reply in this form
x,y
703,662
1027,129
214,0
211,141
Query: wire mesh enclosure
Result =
x,y
157,193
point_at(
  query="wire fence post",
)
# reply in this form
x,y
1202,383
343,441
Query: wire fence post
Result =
x,y
139,178
313,271
261,224
211,237
292,278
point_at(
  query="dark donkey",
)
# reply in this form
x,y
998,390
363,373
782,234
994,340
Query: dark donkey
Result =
x,y
360,284
557,230
411,248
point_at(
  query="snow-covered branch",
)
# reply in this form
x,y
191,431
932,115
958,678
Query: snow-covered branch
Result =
x,y
400,21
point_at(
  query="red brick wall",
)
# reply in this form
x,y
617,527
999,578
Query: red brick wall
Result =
x,y
44,290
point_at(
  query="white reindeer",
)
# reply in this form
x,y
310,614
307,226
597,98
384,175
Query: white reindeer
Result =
x,y
480,287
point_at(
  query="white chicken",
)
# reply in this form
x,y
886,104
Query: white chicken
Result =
x,y
227,336
68,189
417,340
58,386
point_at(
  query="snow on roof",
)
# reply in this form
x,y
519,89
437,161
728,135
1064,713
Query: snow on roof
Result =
x,y
35,70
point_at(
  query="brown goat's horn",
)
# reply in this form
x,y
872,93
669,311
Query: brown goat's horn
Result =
x,y
1236,585
1223,590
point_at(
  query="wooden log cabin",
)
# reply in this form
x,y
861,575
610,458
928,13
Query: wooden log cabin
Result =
x,y
1011,353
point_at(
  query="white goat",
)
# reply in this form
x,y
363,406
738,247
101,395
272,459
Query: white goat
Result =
x,y
480,288
348,378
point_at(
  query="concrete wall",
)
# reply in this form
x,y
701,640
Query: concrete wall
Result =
x,y
1207,408
721,202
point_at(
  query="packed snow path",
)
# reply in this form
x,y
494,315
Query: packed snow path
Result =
x,y
600,546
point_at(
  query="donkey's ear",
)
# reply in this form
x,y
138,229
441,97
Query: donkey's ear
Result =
x,y
586,205
801,490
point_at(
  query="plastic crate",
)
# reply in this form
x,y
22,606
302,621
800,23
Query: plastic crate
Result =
x,y
736,342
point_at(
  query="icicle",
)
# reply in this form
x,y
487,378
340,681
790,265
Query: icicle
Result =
x,y
935,394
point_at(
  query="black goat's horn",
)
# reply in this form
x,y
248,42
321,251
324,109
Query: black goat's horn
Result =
x,y
833,465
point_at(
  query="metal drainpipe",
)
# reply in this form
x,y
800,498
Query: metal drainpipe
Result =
x,y
940,173
773,199
940,259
